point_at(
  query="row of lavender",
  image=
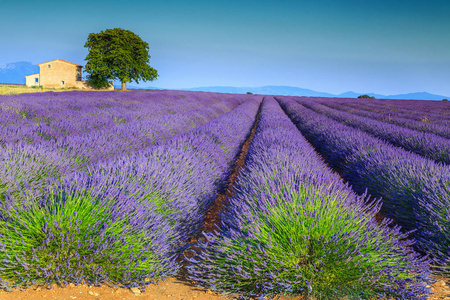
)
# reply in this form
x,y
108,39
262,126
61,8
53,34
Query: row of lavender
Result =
x,y
29,167
39,117
415,191
294,227
435,111
123,221
426,144
424,122
138,135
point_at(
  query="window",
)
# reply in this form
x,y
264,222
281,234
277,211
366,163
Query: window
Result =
x,y
48,66
36,79
62,82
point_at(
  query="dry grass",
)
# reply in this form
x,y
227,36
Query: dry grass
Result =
x,y
12,89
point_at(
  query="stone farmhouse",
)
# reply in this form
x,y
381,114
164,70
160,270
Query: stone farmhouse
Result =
x,y
58,73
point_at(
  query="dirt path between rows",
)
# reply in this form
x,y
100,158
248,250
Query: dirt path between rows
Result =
x,y
212,218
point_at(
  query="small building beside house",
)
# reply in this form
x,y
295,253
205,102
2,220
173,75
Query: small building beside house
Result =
x,y
58,73
32,80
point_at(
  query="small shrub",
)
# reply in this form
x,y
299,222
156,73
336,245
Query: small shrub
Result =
x,y
249,93
444,99
366,97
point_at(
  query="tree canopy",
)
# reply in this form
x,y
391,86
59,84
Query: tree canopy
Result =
x,y
117,54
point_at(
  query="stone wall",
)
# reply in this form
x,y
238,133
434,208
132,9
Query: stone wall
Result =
x,y
59,74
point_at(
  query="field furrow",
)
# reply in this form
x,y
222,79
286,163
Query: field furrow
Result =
x,y
425,144
423,124
415,191
294,227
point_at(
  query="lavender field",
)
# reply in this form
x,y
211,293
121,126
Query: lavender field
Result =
x,y
338,197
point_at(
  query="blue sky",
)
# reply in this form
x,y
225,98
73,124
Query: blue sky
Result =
x,y
386,47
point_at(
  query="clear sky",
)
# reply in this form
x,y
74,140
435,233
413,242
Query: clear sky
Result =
x,y
380,46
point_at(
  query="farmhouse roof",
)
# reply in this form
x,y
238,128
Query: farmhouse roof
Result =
x,y
60,60
32,74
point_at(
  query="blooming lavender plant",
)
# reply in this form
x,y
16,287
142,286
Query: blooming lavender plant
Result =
x,y
295,228
83,231
27,169
415,191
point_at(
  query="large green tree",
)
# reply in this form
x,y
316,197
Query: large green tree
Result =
x,y
117,54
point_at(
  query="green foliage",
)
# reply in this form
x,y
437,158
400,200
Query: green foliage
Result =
x,y
329,248
73,234
444,99
249,93
366,97
117,54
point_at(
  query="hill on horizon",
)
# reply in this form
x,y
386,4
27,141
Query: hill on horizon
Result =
x,y
15,73
296,91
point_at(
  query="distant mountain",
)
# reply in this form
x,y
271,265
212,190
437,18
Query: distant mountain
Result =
x,y
296,91
16,72
264,90
418,96
411,96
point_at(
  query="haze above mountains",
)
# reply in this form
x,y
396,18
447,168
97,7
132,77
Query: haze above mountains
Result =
x,y
16,72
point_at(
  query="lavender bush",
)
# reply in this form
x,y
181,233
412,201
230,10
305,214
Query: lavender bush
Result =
x,y
28,169
83,231
415,191
295,228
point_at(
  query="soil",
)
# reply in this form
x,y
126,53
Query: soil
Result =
x,y
170,288
212,218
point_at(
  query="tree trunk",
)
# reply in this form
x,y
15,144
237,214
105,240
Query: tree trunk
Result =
x,y
124,85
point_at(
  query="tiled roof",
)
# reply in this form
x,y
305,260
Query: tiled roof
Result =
x,y
60,60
